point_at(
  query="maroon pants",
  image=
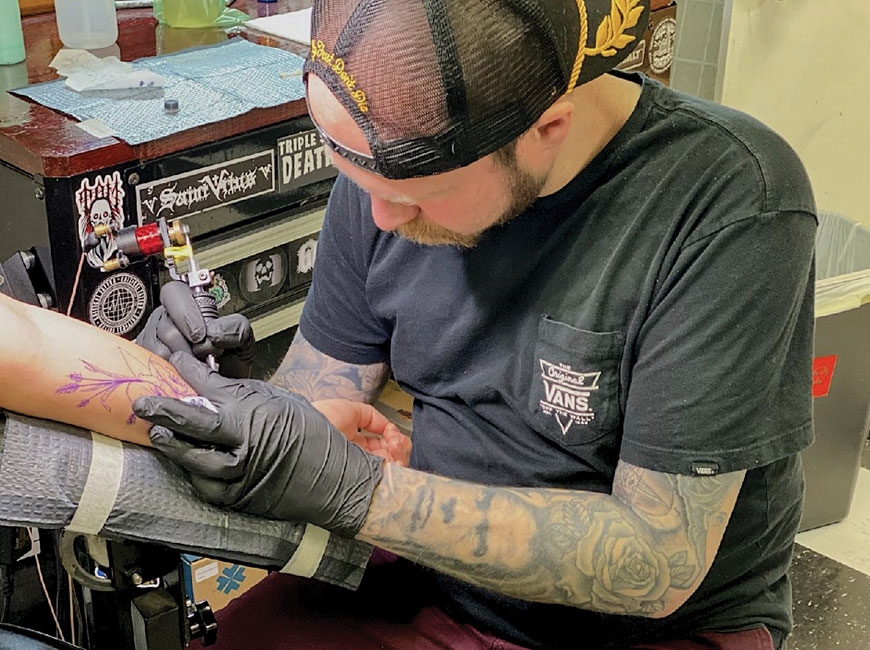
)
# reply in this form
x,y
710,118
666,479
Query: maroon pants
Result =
x,y
288,613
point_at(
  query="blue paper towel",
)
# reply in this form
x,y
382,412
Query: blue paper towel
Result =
x,y
211,84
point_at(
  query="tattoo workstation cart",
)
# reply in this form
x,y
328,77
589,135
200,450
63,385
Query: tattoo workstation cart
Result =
x,y
251,190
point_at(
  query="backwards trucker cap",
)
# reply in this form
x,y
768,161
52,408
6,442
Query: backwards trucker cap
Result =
x,y
438,84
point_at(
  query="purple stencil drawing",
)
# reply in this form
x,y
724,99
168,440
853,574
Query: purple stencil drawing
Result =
x,y
143,378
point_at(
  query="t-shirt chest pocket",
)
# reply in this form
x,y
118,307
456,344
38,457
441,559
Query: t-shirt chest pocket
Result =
x,y
574,382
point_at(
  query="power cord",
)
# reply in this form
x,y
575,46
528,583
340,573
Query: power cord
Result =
x,y
45,589
13,547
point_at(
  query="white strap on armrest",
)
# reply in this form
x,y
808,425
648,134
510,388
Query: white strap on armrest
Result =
x,y
101,486
310,551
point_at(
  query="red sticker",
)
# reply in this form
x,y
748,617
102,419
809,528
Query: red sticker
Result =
x,y
823,373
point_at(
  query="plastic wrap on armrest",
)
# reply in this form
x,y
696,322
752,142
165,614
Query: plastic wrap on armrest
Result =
x,y
43,469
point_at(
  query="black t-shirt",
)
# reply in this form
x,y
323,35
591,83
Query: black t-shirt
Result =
x,y
657,309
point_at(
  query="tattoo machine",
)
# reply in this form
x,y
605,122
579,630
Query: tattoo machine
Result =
x,y
171,242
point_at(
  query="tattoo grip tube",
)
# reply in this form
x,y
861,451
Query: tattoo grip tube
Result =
x,y
207,305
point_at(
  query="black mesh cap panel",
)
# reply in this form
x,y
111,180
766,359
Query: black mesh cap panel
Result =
x,y
438,84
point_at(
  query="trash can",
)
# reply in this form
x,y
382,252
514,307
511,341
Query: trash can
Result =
x,y
841,369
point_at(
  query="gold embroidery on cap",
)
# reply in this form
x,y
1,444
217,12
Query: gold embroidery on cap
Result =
x,y
581,50
336,64
611,35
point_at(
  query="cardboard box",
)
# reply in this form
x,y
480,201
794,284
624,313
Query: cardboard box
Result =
x,y
397,406
654,55
216,581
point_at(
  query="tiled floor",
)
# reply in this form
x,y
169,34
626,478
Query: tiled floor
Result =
x,y
831,578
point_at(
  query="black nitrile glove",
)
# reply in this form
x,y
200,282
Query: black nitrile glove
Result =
x,y
263,450
177,326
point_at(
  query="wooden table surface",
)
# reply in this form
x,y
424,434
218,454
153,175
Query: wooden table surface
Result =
x,y
44,142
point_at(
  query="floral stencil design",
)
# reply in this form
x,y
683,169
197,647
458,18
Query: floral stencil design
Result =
x,y
153,377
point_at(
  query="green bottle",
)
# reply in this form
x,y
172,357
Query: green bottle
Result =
x,y
11,37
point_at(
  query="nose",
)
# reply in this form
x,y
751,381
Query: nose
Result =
x,y
389,215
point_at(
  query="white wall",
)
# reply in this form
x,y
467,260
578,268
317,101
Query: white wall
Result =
x,y
803,67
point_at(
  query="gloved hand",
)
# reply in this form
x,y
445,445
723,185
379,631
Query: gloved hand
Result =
x,y
177,326
263,450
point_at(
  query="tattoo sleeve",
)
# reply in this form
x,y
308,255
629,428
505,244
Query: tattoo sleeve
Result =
x,y
314,375
641,550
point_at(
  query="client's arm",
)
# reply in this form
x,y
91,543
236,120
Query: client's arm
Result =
x,y
62,369
58,368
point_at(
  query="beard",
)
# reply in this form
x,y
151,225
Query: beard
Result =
x,y
525,188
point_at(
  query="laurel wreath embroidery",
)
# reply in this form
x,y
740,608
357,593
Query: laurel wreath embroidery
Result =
x,y
611,36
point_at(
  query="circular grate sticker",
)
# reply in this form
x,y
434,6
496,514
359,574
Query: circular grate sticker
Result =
x,y
662,46
118,303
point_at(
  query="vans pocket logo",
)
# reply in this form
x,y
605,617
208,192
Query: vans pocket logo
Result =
x,y
567,394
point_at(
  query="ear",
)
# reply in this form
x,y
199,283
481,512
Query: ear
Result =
x,y
551,129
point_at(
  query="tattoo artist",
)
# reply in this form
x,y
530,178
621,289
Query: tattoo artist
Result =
x,y
599,293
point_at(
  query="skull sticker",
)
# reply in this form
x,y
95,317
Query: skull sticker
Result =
x,y
100,202
262,277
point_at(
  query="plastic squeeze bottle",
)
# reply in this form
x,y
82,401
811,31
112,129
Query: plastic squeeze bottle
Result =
x,y
192,13
86,24
11,37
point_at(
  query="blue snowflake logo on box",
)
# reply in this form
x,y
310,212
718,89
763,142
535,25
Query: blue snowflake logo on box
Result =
x,y
231,578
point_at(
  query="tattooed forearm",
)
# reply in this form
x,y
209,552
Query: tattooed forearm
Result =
x,y
314,375
149,376
640,551
422,510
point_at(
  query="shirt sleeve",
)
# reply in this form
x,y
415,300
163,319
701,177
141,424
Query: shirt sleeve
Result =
x,y
336,318
722,372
